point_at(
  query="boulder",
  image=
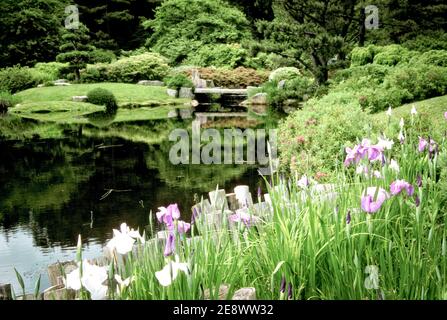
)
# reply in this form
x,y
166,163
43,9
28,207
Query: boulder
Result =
x,y
79,99
186,93
260,98
172,93
151,83
245,294
222,295
197,81
61,82
282,84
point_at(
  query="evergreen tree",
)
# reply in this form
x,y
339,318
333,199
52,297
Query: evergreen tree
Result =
x,y
116,24
30,31
75,49
312,32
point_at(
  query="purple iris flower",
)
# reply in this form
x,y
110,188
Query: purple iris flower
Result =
x,y
183,227
174,211
399,185
370,203
283,285
170,245
419,181
290,292
195,214
422,144
242,215
445,115
348,217
353,155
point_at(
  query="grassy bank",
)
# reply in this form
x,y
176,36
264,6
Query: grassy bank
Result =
x,y
124,93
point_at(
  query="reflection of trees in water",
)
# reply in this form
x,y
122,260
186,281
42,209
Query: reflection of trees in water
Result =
x,y
191,177
50,187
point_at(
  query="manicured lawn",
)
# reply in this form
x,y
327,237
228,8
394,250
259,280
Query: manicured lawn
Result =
x,y
124,93
53,104
431,111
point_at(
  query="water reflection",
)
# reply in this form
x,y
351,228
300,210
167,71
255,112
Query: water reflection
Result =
x,y
54,189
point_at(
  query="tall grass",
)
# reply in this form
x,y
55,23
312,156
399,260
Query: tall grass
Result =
x,y
318,240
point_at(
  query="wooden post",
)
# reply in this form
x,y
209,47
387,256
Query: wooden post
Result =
x,y
218,199
5,292
233,203
56,270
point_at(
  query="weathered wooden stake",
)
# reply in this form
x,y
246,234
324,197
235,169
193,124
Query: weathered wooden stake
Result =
x,y
5,292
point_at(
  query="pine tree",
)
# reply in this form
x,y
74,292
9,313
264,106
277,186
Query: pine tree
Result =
x,y
76,49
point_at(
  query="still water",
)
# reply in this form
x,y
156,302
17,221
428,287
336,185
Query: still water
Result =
x,y
88,180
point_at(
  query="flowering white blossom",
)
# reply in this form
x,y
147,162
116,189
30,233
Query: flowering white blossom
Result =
x,y
389,113
124,239
303,183
384,143
394,165
402,123
123,283
93,278
414,111
170,272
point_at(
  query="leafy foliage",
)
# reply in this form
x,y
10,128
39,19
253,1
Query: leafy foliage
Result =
x,y
30,31
147,66
178,80
76,50
7,100
16,79
237,78
102,97
181,27
219,55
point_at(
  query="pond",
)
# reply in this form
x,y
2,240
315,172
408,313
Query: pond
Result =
x,y
58,181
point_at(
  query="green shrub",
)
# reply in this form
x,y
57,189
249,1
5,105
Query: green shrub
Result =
x,y
219,55
240,77
361,56
421,81
177,81
7,100
16,79
432,57
52,69
436,40
312,140
95,73
298,89
285,73
392,55
102,56
181,28
102,97
147,66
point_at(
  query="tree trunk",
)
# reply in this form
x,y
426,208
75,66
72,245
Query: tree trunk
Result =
x,y
77,74
362,28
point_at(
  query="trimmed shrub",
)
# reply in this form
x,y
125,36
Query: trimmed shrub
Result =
x,y
285,73
219,55
392,55
237,78
312,140
95,73
102,97
432,57
177,81
361,56
52,69
7,100
15,79
421,82
147,66
102,56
